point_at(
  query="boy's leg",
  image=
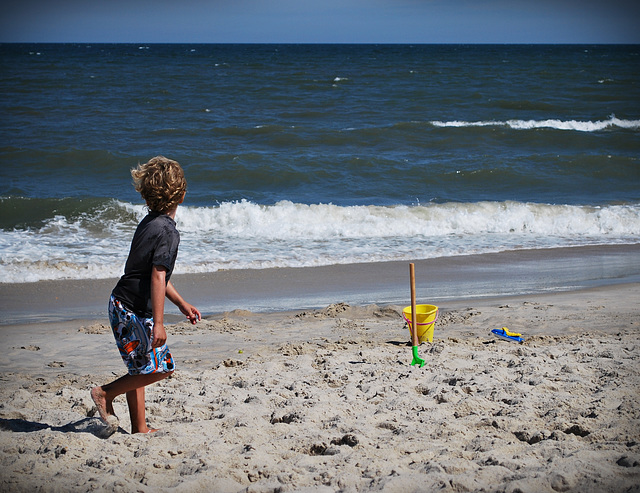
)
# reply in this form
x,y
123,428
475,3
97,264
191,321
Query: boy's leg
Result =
x,y
135,400
103,396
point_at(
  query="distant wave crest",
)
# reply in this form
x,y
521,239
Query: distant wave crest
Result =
x,y
580,126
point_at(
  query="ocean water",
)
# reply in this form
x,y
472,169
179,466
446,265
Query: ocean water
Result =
x,y
305,155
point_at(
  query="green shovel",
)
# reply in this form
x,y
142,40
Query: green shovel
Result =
x,y
417,360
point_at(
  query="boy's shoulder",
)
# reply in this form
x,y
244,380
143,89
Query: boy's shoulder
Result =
x,y
157,218
155,222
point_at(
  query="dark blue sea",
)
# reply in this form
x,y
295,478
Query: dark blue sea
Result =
x,y
304,155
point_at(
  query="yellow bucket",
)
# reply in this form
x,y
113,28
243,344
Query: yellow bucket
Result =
x,y
426,316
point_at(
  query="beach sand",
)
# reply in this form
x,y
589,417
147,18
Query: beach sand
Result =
x,y
326,400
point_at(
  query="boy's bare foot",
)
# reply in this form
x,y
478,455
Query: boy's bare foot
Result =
x,y
148,430
105,409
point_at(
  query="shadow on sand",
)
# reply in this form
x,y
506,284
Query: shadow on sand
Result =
x,y
95,426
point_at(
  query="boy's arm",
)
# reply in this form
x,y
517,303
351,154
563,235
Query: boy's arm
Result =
x,y
188,309
158,292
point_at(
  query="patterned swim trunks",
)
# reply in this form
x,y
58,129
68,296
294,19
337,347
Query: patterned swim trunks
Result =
x,y
133,336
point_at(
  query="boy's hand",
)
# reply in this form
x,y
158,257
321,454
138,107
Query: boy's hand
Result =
x,y
192,313
159,335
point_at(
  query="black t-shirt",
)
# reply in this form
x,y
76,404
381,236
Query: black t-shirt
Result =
x,y
155,242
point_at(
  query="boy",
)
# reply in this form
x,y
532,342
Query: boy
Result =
x,y
136,306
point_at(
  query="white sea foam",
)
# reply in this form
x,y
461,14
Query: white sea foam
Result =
x,y
247,235
580,126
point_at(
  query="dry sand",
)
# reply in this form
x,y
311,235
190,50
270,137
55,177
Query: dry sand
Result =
x,y
326,400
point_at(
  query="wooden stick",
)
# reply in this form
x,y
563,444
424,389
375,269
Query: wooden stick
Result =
x,y
414,326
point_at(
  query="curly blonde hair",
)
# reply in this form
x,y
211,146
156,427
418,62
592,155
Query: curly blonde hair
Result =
x,y
161,183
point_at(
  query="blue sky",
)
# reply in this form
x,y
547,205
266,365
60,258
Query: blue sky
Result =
x,y
321,21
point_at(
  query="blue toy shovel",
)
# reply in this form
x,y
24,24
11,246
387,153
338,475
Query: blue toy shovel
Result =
x,y
414,331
